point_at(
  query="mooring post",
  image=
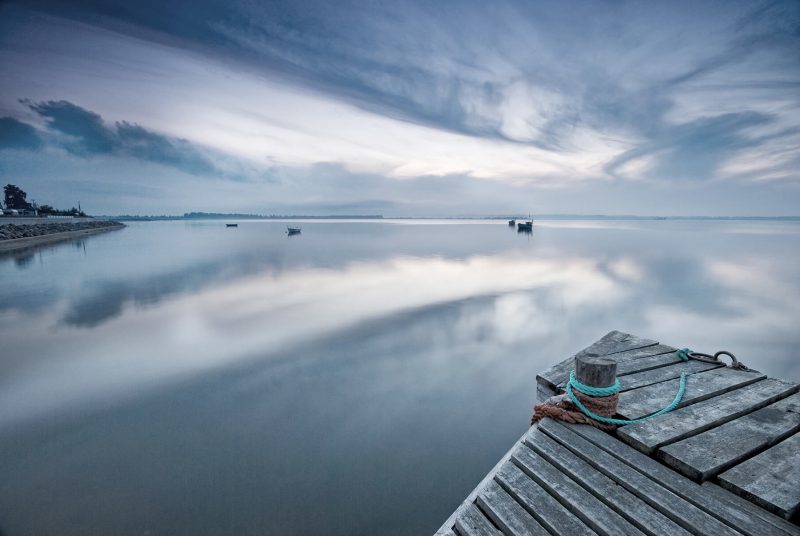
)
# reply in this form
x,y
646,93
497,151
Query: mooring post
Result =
x,y
595,371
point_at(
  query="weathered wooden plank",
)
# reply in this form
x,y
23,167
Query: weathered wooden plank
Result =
x,y
580,502
448,533
658,375
722,504
612,343
661,356
716,450
636,354
507,513
544,508
637,403
472,522
615,342
696,418
639,513
770,479
665,501
745,507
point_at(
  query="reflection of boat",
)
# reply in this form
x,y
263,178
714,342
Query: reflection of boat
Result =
x,y
293,230
231,225
511,223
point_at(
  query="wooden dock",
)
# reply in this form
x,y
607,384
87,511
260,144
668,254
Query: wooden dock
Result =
x,y
725,461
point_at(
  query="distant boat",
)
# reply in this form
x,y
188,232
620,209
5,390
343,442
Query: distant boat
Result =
x,y
231,225
525,226
511,223
294,230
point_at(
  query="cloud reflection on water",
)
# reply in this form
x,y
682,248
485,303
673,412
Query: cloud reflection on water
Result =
x,y
208,364
260,315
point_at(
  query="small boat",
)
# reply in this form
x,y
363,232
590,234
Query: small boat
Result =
x,y
231,225
511,223
293,230
525,226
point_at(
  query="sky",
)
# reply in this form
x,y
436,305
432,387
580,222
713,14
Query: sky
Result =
x,y
403,108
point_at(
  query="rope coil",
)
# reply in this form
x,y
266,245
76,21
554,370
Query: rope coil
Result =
x,y
598,405
575,384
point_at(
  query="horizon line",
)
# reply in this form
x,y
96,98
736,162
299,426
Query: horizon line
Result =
x,y
549,216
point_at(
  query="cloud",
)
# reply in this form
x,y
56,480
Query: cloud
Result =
x,y
15,134
84,133
86,128
145,145
695,150
620,75
516,100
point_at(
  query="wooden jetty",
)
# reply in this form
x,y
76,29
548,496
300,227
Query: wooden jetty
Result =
x,y
725,461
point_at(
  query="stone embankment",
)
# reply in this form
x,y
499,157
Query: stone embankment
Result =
x,y
12,231
16,235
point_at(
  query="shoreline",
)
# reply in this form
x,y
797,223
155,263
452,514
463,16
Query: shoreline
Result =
x,y
14,244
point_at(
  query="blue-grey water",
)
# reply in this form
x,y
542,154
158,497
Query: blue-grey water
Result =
x,y
187,378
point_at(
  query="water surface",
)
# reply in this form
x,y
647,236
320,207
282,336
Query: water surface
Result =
x,y
188,378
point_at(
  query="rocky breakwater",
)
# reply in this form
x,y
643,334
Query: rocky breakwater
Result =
x,y
14,235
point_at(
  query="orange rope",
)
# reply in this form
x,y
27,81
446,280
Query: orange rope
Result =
x,y
565,410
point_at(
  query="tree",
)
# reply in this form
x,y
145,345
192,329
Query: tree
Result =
x,y
16,197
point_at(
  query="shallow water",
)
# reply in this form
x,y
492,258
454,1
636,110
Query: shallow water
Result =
x,y
188,378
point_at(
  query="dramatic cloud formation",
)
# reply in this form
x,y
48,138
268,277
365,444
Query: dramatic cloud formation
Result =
x,y
87,134
557,106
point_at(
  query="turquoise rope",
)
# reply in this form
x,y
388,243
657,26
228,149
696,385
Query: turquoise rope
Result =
x,y
594,391
574,383
683,353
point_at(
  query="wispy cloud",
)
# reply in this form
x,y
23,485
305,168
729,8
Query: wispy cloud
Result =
x,y
695,150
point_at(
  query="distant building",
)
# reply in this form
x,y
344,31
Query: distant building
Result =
x,y
26,212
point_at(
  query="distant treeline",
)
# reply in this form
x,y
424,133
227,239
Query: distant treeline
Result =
x,y
216,215
629,217
221,216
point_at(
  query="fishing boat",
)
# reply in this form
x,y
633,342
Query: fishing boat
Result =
x,y
511,223
526,226
231,225
293,230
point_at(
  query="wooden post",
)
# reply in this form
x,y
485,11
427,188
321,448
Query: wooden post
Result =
x,y
595,371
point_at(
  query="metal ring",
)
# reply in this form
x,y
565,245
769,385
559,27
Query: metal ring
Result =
x,y
708,358
734,362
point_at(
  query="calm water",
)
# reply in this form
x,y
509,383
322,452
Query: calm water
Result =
x,y
187,378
